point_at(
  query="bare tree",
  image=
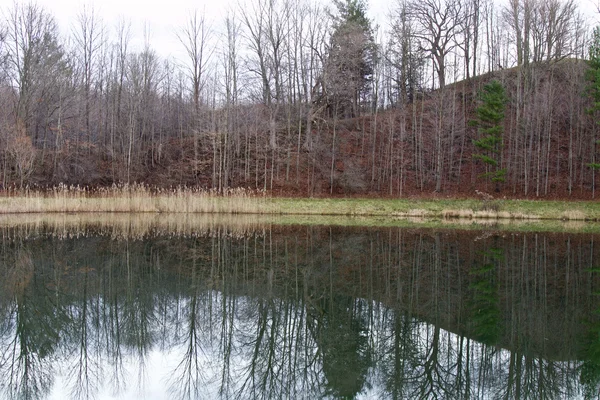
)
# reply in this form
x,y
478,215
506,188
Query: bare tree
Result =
x,y
195,37
34,58
437,27
22,153
403,54
543,30
470,21
560,20
519,15
314,49
232,138
266,31
3,52
255,24
119,56
88,35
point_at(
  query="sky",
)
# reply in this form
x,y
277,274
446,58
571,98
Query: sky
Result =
x,y
165,17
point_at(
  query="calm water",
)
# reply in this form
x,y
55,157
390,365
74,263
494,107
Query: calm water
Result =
x,y
298,312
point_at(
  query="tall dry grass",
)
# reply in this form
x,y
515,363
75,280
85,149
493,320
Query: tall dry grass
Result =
x,y
134,199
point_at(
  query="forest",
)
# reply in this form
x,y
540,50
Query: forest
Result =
x,y
300,98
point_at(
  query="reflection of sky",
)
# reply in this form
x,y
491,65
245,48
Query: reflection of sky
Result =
x,y
307,321
154,386
154,379
160,366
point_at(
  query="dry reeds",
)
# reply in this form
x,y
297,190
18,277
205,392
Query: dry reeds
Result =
x,y
135,198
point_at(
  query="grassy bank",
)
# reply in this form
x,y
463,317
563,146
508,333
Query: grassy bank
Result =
x,y
140,199
141,225
444,208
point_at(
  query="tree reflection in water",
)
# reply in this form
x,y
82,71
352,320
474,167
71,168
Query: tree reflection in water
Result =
x,y
30,328
302,312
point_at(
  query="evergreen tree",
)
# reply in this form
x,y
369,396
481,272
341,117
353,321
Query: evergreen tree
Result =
x,y
593,77
351,58
490,115
593,73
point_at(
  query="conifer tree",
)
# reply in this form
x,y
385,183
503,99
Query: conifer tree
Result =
x,y
593,77
490,117
351,58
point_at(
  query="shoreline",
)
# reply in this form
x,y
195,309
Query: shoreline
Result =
x,y
139,225
190,201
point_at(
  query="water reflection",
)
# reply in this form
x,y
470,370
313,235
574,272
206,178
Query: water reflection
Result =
x,y
299,312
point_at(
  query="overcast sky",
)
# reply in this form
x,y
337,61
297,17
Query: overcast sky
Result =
x,y
163,17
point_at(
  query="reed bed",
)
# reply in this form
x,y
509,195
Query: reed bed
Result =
x,y
133,199
183,200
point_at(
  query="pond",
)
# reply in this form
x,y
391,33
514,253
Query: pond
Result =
x,y
229,309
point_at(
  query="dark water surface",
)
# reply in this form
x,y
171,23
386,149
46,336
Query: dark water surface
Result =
x,y
299,312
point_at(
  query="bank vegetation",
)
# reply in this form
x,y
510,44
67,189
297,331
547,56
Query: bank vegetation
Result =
x,y
144,199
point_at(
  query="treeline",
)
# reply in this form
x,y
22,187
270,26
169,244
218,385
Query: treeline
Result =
x,y
295,97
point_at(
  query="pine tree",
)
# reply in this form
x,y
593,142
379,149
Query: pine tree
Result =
x,y
593,73
490,115
351,58
593,77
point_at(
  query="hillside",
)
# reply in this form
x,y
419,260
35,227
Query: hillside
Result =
x,y
422,149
